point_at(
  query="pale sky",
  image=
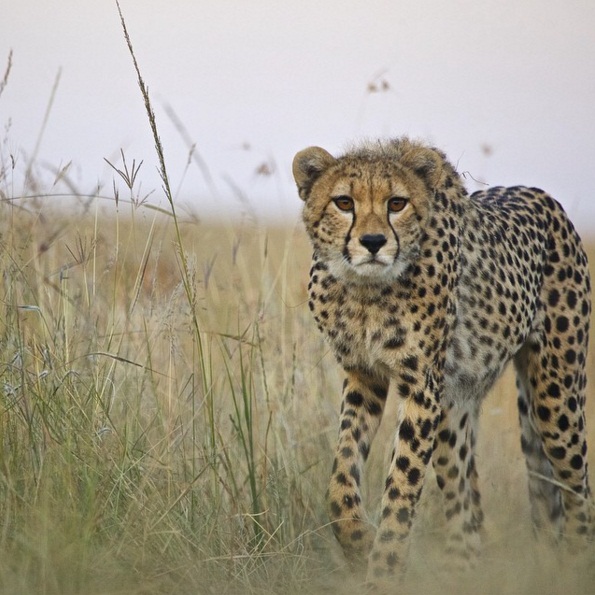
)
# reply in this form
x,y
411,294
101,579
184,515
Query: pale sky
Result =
x,y
505,87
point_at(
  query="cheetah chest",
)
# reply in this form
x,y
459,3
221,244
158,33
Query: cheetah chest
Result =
x,y
375,328
361,325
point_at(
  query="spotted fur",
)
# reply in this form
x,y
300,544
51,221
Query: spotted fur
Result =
x,y
418,283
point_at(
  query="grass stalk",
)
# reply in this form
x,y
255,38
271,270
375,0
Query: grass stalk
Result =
x,y
186,274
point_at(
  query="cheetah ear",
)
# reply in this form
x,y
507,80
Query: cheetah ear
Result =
x,y
308,165
426,163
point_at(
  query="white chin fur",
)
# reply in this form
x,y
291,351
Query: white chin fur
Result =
x,y
367,272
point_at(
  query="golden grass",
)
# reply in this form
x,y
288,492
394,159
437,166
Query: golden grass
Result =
x,y
141,456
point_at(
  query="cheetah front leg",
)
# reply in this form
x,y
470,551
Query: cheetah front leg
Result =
x,y
364,396
414,443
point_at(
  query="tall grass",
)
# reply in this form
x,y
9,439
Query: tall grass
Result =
x,y
168,413
116,450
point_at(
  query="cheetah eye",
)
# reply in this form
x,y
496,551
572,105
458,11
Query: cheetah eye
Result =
x,y
344,203
396,204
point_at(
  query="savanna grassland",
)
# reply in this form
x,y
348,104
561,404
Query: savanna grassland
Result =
x,y
168,413
169,427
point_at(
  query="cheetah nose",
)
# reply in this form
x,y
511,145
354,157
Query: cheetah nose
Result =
x,y
373,242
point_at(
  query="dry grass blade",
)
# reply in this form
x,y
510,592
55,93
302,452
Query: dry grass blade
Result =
x,y
128,175
4,80
150,113
46,117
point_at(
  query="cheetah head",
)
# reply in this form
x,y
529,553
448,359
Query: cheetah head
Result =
x,y
365,212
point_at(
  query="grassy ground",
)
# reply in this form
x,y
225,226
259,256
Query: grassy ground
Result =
x,y
167,431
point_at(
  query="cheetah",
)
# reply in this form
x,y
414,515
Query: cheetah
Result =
x,y
415,281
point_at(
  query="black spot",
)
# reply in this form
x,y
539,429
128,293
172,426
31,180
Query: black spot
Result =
x,y
413,476
404,390
463,452
554,256
543,413
426,428
373,408
562,324
341,478
393,493
395,342
406,431
444,435
563,423
354,398
392,560
380,391
411,362
453,511
553,297
463,421
553,390
403,515
402,463
557,452
576,462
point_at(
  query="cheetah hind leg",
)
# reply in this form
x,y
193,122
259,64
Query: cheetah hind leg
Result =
x,y
547,512
453,460
553,440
